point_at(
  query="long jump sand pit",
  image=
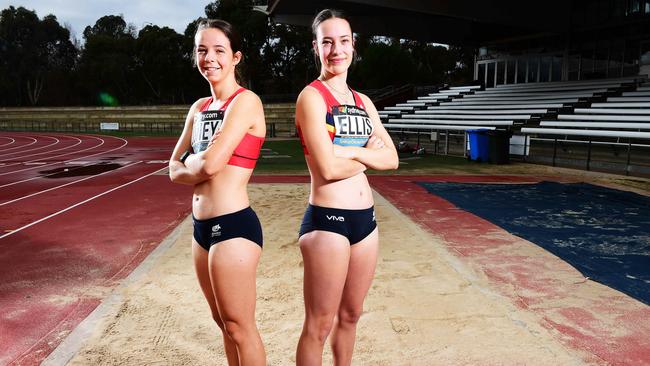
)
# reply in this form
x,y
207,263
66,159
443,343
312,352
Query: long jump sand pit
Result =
x,y
426,307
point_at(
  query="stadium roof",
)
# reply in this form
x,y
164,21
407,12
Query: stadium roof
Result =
x,y
442,21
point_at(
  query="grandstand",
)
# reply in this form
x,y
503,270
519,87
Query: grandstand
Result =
x,y
584,114
567,78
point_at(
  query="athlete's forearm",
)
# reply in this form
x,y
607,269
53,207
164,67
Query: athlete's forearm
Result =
x,y
377,159
179,173
342,168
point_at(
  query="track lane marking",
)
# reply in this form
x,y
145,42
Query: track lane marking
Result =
x,y
45,152
36,148
55,156
67,184
8,138
21,146
78,204
81,157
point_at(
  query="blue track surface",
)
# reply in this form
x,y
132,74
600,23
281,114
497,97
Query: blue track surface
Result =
x,y
604,233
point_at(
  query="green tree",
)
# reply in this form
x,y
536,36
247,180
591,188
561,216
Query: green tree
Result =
x,y
288,54
163,65
33,53
254,29
383,64
107,68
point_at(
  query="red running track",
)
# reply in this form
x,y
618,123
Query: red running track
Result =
x,y
77,214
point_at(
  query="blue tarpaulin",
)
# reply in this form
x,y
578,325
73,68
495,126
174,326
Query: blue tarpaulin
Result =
x,y
602,232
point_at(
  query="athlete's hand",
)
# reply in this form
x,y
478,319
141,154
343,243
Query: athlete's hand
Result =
x,y
216,135
374,142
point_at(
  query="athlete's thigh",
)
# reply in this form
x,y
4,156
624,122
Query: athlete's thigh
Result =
x,y
233,266
361,271
200,257
325,258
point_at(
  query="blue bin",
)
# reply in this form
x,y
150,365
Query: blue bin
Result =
x,y
478,144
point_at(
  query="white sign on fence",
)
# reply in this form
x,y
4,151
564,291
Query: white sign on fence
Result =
x,y
109,126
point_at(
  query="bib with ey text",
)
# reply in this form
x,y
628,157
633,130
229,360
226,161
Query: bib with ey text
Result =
x,y
205,125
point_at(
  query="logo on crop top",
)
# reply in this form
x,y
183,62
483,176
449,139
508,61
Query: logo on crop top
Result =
x,y
352,126
205,125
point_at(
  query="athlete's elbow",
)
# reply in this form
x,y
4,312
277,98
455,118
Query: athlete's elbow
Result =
x,y
209,170
329,174
173,174
393,162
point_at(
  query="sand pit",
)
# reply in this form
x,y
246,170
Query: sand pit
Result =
x,y
426,307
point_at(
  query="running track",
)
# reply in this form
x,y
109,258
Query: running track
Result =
x,y
67,239
77,214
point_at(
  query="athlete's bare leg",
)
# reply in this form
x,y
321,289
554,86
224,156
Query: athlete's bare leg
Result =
x,y
200,257
325,256
233,265
361,271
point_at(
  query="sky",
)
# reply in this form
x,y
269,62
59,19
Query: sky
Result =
x,y
176,14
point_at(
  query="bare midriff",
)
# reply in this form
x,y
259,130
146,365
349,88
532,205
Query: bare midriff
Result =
x,y
352,193
222,194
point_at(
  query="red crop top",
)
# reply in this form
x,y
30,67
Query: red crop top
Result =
x,y
347,125
207,122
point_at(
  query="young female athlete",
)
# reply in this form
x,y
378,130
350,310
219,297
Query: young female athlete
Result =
x,y
342,136
216,153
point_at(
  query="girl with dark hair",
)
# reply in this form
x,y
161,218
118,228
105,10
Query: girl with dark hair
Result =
x,y
342,136
216,153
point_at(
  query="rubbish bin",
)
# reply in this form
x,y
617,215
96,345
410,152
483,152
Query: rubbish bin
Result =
x,y
478,144
499,146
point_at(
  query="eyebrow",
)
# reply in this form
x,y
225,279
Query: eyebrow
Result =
x,y
216,45
343,36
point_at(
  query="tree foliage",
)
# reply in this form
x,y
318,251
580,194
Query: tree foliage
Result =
x,y
34,55
117,64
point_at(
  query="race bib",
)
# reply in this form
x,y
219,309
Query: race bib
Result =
x,y
352,126
205,125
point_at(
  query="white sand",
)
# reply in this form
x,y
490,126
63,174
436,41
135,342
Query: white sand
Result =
x,y
426,307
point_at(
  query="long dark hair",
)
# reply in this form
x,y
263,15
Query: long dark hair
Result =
x,y
222,25
326,14
322,16
228,30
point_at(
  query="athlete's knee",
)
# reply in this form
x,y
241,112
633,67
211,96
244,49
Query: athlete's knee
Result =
x,y
349,317
217,319
236,330
319,327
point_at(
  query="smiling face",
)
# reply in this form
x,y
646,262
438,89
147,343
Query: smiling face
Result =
x,y
334,45
214,56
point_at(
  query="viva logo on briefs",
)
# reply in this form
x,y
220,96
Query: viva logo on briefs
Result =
x,y
335,218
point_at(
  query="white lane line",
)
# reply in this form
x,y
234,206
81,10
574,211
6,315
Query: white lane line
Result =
x,y
37,148
79,141
67,184
8,138
81,157
21,146
78,204
42,176
56,141
49,157
71,345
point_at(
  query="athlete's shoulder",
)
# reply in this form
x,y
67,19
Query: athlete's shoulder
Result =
x,y
199,103
196,106
367,102
309,93
248,99
362,96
